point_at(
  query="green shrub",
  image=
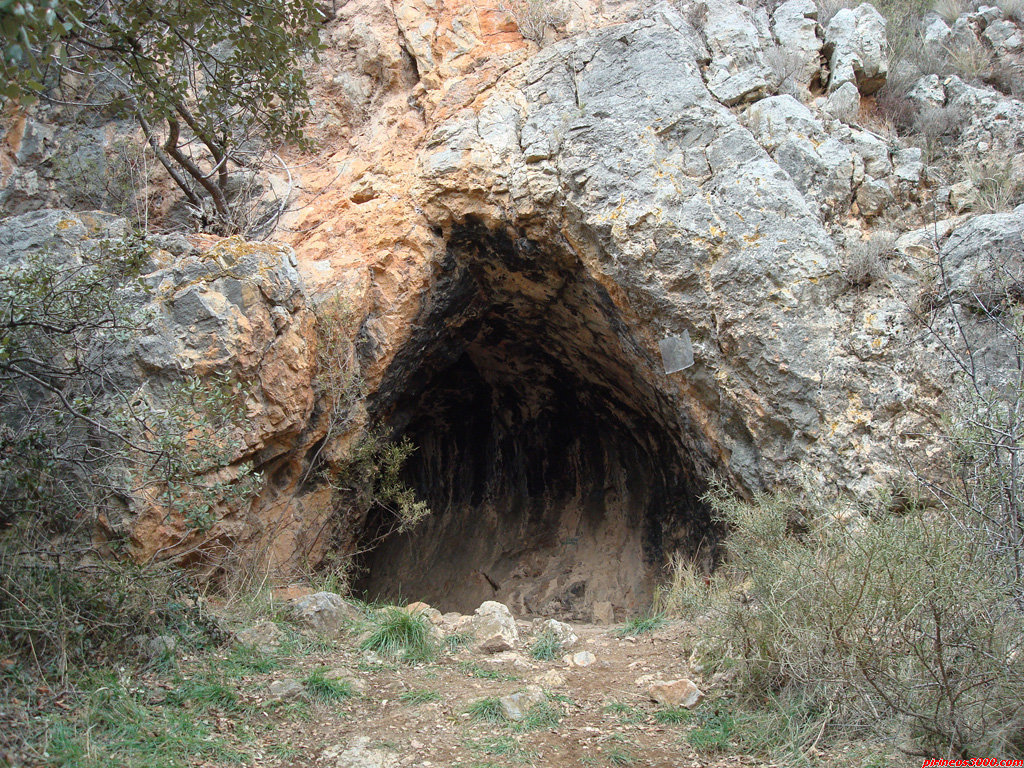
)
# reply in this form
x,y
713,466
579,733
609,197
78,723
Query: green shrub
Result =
x,y
324,690
642,625
862,612
547,647
400,635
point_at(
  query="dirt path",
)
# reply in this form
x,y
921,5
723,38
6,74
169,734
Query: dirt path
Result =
x,y
424,715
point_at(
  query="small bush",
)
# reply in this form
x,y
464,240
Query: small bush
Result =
x,y
534,17
324,690
999,187
863,262
546,647
685,593
642,625
486,710
951,10
1012,9
862,612
400,635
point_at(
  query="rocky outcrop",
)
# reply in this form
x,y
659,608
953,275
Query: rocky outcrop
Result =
x,y
515,228
233,309
547,216
856,49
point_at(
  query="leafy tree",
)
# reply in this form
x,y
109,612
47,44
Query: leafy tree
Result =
x,y
208,83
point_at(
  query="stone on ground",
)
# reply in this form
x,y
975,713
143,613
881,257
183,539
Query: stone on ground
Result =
x,y
676,693
286,689
264,636
322,612
516,705
561,631
494,628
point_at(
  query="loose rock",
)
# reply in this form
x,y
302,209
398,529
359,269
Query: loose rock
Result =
x,y
265,636
561,631
516,705
494,628
323,612
676,693
286,690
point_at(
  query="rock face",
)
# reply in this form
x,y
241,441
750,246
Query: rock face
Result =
x,y
235,309
856,49
514,229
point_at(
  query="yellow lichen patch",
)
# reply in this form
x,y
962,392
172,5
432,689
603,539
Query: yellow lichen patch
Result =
x,y
855,411
66,224
236,247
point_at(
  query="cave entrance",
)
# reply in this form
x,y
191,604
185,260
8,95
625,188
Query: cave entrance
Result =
x,y
558,474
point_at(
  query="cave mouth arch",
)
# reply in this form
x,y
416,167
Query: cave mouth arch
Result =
x,y
558,474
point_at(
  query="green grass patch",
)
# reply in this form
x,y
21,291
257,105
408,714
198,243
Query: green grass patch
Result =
x,y
626,713
546,714
245,660
398,634
204,693
617,754
642,625
487,710
672,715
506,747
546,647
419,697
123,727
713,732
456,641
486,673
324,690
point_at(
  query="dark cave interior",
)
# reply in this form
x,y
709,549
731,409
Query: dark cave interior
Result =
x,y
557,473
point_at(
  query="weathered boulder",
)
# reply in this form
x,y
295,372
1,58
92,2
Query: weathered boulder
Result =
x,y
795,25
325,613
856,48
983,258
874,197
676,693
738,71
494,628
843,103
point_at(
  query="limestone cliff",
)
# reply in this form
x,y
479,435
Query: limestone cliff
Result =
x,y
514,230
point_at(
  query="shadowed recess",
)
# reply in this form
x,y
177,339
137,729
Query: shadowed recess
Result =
x,y
557,472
